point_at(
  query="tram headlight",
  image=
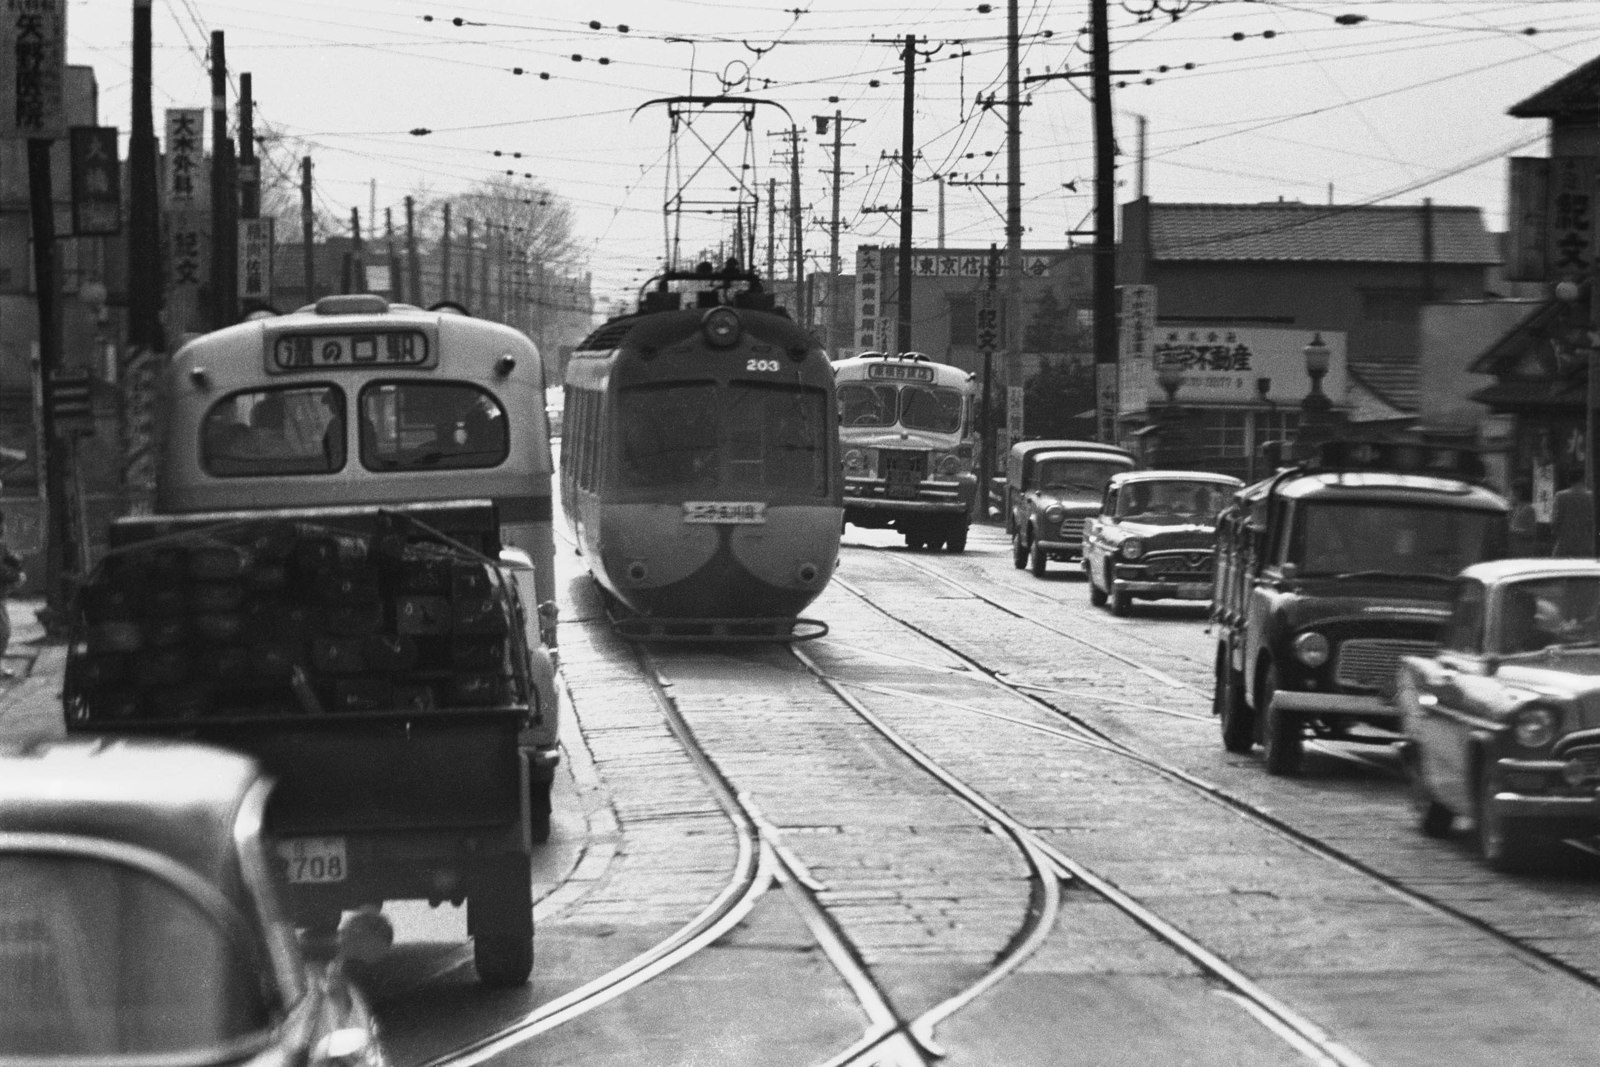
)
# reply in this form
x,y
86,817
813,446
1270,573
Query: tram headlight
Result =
x,y
856,462
721,327
1311,648
1132,548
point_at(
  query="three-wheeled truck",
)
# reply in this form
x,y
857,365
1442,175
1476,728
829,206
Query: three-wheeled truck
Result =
x,y
376,660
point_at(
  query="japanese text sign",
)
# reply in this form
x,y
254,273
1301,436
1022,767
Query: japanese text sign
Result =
x,y
185,154
96,182
33,58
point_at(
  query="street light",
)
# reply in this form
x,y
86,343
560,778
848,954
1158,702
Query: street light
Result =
x,y
1169,375
1316,409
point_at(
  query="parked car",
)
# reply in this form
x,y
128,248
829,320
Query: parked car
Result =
x,y
1154,538
1052,487
1502,723
140,919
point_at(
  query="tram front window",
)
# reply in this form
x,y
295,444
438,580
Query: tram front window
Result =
x,y
750,436
297,430
411,426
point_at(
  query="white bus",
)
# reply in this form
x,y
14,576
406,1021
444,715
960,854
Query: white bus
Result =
x,y
908,437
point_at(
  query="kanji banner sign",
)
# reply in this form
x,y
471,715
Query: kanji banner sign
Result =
x,y
33,60
186,129
96,182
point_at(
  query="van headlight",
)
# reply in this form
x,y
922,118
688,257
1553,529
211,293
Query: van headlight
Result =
x,y
1311,648
1054,513
1534,727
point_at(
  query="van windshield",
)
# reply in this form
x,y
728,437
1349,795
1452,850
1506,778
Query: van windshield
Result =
x,y
1360,537
1077,475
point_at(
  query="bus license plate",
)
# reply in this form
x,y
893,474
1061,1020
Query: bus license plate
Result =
x,y
742,513
314,860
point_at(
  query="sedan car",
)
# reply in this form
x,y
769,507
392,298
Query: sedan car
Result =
x,y
140,922
1153,538
1502,723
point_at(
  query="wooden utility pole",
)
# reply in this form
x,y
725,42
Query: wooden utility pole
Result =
x,y
249,167
444,257
797,249
144,252
413,264
308,230
224,206
772,228
1011,312
902,333
466,268
836,330
1105,228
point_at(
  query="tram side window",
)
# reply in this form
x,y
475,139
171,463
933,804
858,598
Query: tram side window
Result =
x,y
668,435
414,426
295,430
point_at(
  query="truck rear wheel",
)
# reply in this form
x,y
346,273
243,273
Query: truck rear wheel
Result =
x,y
1019,550
1227,699
1283,737
955,539
500,919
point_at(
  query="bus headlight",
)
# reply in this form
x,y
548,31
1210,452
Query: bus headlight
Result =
x,y
1534,727
1132,548
949,464
1311,648
855,461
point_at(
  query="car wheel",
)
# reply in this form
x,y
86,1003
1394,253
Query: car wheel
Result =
x,y
1283,739
1097,596
1019,550
1036,558
500,917
1227,703
1507,845
1121,602
957,540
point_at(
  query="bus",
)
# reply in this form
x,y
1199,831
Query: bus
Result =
x,y
908,437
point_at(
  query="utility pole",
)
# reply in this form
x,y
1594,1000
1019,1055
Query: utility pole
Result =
x,y
395,288
772,228
444,257
797,262
483,268
413,264
136,367
902,332
306,230
1012,311
835,328
358,259
224,211
249,168
466,269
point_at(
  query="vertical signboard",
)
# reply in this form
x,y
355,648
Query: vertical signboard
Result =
x,y
1136,340
185,156
33,60
1014,419
1525,219
256,247
1570,230
867,324
96,182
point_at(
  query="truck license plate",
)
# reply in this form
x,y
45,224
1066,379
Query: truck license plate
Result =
x,y
314,860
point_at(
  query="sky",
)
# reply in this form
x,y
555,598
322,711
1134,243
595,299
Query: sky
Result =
x,y
1239,101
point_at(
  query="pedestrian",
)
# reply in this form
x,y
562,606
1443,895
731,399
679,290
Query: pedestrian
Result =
x,y
1572,520
1524,520
11,578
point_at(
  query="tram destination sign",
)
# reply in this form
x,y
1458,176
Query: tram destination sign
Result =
x,y
291,353
900,372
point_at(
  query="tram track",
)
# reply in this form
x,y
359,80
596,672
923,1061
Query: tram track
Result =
x,y
1081,731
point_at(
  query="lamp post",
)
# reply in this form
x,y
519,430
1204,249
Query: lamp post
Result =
x,y
1169,375
1316,410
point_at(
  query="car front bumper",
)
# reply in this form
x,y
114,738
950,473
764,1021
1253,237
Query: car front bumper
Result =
x,y
1304,705
1527,789
1162,590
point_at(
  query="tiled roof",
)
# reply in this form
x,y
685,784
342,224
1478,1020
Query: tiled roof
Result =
x,y
1311,233
1396,384
1572,96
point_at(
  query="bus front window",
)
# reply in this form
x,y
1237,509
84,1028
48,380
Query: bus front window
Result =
x,y
933,410
866,405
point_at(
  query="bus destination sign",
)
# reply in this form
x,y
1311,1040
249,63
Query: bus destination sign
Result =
x,y
293,352
900,372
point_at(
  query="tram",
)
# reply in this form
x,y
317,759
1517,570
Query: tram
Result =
x,y
699,462
908,433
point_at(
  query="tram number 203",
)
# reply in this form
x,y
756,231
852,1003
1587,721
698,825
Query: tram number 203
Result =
x,y
768,366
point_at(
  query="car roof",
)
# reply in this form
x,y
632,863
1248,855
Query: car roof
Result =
x,y
178,799
1023,448
1378,486
1502,570
1224,480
